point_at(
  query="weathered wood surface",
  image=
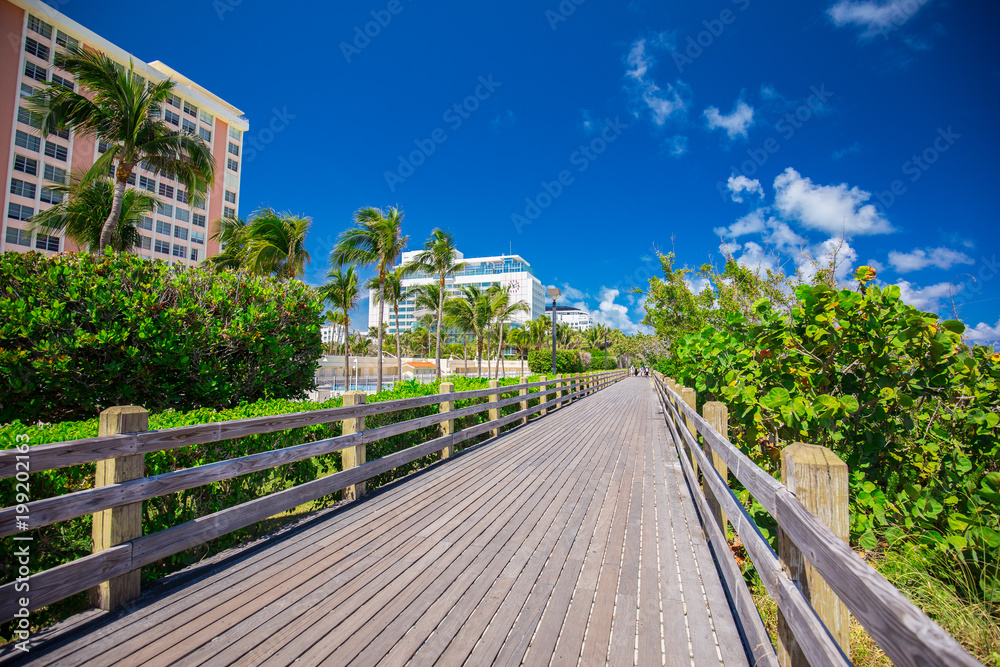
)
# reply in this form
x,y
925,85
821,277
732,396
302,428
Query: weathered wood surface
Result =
x,y
571,540
906,634
56,455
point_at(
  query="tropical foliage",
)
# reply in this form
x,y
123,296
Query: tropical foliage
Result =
x,y
268,243
341,291
438,259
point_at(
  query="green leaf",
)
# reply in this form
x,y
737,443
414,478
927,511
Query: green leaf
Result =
x,y
776,398
954,326
868,540
849,403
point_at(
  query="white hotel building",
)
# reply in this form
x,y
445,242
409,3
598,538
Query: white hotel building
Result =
x,y
508,270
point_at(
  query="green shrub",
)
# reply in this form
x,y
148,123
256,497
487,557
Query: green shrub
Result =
x,y
597,360
80,333
567,361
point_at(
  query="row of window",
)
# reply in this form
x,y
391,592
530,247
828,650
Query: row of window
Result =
x,y
164,248
32,143
28,166
22,237
44,29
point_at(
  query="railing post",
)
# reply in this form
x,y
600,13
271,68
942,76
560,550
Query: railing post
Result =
x,y
447,427
354,456
688,396
545,397
494,412
119,524
818,479
717,415
523,404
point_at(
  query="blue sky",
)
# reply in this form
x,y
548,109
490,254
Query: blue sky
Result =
x,y
585,135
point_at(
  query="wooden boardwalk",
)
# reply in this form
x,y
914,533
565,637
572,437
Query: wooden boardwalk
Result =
x,y
571,540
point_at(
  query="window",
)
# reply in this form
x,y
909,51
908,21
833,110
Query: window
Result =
x,y
33,71
174,101
36,24
234,149
161,247
234,133
32,118
198,237
25,164
62,134
180,251
25,140
232,164
65,83
180,233
166,191
206,117
147,183
55,174
17,236
36,49
50,196
182,196
190,109
27,91
230,196
194,254
19,212
22,188
43,242
62,39
145,242
171,117
166,210
198,220
229,212
163,228
188,126
102,147
146,223
56,151
205,134
182,214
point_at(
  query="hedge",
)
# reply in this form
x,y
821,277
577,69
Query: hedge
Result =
x,y
80,333
567,361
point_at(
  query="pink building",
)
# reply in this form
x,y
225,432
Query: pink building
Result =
x,y
177,231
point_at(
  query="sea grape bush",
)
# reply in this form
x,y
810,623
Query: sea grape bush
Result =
x,y
894,391
79,333
567,361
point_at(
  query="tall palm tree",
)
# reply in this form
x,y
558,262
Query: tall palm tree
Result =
x,y
393,293
539,330
231,233
471,313
521,339
85,207
501,309
267,243
438,259
376,240
341,291
115,106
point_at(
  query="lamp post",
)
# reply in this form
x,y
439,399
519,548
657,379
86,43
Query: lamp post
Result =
x,y
554,294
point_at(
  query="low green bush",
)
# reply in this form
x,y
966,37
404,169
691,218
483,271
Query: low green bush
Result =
x,y
567,361
80,333
597,360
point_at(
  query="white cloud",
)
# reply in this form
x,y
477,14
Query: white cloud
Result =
x,y
926,298
775,233
942,258
661,103
616,315
735,124
834,209
872,17
834,253
697,284
571,293
875,264
984,334
678,145
739,184
755,257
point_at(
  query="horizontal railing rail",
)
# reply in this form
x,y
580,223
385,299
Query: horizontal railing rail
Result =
x,y
906,634
127,557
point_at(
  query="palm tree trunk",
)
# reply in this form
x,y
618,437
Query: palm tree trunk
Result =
x,y
500,351
347,352
107,232
399,358
479,355
381,312
437,353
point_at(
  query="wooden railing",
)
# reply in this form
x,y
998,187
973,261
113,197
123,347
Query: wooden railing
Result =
x,y
121,550
816,574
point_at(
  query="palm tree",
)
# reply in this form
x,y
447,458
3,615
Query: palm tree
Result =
x,y
501,310
438,259
84,208
393,293
471,313
341,291
539,330
521,339
115,106
268,243
376,240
